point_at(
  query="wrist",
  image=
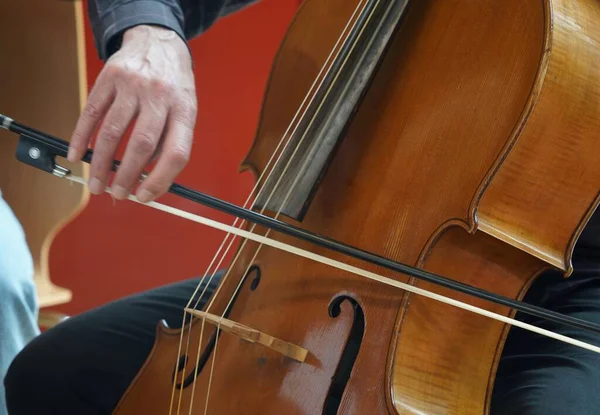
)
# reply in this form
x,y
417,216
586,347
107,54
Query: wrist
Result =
x,y
149,30
156,34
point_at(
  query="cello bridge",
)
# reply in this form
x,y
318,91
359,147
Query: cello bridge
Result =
x,y
251,335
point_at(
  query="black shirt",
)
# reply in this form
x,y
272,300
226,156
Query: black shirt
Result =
x,y
189,18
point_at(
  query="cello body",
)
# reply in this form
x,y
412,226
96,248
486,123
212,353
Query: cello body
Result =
x,y
472,154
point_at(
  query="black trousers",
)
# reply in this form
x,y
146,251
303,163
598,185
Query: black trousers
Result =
x,y
85,364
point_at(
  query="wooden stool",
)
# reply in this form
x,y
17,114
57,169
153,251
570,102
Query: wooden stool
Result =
x,y
44,84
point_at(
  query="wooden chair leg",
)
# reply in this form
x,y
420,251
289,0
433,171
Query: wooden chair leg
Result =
x,y
49,319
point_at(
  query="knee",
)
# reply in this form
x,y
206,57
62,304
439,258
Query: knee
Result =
x,y
16,385
571,387
17,287
18,323
18,296
20,381
575,390
33,378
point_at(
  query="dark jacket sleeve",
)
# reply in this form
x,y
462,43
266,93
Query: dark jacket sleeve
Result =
x,y
188,18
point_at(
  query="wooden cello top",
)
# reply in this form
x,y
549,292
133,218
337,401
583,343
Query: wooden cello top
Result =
x,y
481,114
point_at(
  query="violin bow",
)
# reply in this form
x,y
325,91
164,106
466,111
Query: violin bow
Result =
x,y
39,149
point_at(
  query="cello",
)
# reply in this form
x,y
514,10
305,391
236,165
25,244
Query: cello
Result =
x,y
418,165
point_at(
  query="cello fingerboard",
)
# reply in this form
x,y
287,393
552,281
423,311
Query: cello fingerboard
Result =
x,y
322,119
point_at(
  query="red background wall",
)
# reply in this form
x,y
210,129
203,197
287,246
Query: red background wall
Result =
x,y
115,249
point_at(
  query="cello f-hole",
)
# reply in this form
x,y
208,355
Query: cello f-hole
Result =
x,y
253,273
348,358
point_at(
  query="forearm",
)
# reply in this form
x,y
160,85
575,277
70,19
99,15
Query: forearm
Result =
x,y
188,18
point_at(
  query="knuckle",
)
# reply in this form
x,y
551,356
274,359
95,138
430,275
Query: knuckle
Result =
x,y
91,111
161,88
178,156
144,79
129,78
113,128
110,133
138,81
114,70
143,143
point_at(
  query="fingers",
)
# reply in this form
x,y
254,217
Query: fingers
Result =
x,y
113,128
142,146
174,156
99,100
149,79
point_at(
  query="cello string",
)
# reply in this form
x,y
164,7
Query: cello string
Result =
x,y
286,168
289,192
304,166
342,36
361,7
258,181
355,270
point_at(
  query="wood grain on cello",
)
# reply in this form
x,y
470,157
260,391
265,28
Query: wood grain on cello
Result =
x,y
457,137
459,159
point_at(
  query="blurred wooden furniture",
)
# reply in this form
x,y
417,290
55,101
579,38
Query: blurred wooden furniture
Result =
x,y
43,73
49,319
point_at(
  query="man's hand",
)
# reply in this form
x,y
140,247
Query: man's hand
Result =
x,y
149,80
